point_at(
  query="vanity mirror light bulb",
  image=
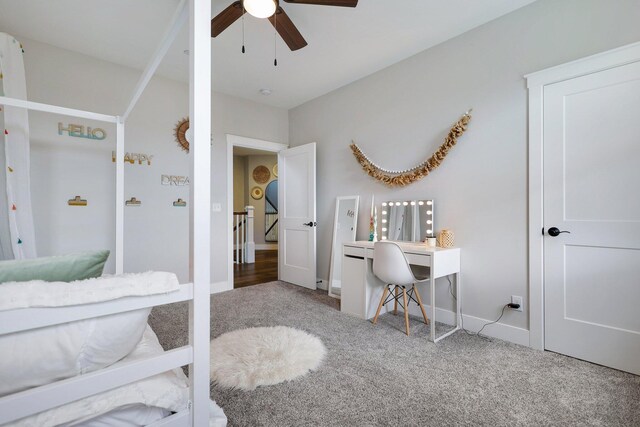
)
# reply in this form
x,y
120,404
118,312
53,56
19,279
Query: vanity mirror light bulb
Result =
x,y
384,212
430,231
397,203
384,221
421,203
429,203
413,203
384,228
384,237
405,203
384,203
429,221
429,212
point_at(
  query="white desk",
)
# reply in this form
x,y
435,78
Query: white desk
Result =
x,y
362,290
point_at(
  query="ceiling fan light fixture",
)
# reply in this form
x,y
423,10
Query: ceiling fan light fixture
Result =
x,y
260,8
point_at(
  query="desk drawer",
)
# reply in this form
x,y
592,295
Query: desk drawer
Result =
x,y
353,251
419,259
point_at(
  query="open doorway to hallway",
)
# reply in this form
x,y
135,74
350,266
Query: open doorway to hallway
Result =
x,y
255,216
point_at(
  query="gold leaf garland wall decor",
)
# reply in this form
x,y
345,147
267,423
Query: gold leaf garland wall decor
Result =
x,y
409,176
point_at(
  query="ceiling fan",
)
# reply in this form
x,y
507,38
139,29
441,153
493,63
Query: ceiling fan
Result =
x,y
271,9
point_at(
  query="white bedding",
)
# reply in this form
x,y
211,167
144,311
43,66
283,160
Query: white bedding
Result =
x,y
37,293
44,355
168,391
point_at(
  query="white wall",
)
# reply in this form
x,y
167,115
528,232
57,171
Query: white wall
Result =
x,y
156,233
400,115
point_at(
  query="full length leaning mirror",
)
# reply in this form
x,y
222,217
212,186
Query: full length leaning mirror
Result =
x,y
408,221
344,230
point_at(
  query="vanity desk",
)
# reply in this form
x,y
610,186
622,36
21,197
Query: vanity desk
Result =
x,y
362,290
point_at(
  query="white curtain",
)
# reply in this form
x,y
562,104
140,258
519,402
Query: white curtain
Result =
x,y
17,237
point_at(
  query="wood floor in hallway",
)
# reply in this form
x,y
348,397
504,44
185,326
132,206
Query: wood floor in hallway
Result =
x,y
265,269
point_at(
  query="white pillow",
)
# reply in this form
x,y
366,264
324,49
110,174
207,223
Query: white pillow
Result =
x,y
168,390
40,356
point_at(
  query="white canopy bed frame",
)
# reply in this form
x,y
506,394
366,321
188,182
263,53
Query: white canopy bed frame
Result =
x,y
196,353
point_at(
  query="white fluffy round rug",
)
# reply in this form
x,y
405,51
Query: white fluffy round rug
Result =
x,y
248,358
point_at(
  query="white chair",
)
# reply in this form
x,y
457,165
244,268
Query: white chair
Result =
x,y
391,266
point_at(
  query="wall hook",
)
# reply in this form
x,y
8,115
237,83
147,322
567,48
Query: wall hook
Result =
x,y
77,201
133,202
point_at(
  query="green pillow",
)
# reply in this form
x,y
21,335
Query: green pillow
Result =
x,y
64,268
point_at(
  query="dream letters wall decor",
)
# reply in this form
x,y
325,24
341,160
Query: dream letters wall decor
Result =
x,y
78,131
174,180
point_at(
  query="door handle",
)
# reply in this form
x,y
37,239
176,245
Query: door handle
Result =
x,y
310,224
555,231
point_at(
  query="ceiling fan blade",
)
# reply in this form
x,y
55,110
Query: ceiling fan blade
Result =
x,y
287,30
343,3
225,18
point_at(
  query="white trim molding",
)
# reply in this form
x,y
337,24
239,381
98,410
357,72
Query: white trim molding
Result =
x,y
535,84
217,287
472,324
240,141
266,246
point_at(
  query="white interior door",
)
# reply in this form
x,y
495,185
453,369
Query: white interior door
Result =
x,y
297,215
592,190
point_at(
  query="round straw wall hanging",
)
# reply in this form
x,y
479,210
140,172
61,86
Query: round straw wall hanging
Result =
x,y
261,174
257,193
180,132
275,170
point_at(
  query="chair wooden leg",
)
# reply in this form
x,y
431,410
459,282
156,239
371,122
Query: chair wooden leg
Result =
x,y
384,295
406,310
395,303
424,313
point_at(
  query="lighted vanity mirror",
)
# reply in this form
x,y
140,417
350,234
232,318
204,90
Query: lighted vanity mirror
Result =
x,y
344,230
407,221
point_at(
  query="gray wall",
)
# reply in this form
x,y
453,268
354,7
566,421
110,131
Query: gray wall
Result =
x,y
400,115
156,233
239,184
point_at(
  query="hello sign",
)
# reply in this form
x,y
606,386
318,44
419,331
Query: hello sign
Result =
x,y
78,131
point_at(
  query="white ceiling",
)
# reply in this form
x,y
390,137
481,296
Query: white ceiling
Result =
x,y
345,44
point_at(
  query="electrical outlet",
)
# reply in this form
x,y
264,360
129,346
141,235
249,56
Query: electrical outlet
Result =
x,y
516,300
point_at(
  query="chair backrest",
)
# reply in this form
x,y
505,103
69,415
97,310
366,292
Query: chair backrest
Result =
x,y
390,265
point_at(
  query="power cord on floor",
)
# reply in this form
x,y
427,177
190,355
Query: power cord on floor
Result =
x,y
475,334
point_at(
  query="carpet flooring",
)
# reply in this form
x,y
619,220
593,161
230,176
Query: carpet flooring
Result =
x,y
374,375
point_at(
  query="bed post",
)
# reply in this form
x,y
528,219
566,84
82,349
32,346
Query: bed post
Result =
x,y
119,195
200,205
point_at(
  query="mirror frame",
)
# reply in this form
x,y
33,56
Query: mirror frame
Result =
x,y
335,236
384,233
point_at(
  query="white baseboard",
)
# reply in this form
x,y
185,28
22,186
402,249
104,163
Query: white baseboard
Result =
x,y
266,246
322,284
474,324
220,287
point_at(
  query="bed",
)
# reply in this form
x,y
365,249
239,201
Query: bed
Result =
x,y
86,346
116,394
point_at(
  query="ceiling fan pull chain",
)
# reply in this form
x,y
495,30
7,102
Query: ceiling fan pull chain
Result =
x,y
243,12
275,38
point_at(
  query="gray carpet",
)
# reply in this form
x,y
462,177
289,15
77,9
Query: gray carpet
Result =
x,y
377,376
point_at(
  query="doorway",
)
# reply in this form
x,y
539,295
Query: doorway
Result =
x,y
584,180
253,216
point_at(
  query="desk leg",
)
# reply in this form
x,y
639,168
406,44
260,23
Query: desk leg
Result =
x,y
458,319
458,302
432,285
